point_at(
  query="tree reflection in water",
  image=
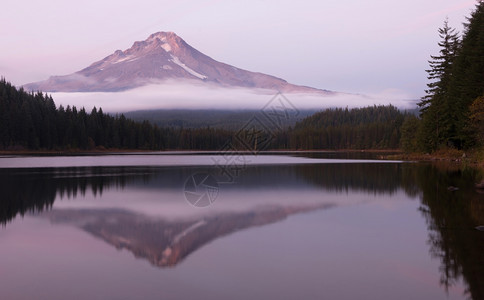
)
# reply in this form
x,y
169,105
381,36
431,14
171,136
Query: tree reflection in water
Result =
x,y
451,216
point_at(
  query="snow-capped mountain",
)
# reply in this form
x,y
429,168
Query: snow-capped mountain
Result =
x,y
163,56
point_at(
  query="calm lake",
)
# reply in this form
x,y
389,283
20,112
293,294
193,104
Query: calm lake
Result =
x,y
238,226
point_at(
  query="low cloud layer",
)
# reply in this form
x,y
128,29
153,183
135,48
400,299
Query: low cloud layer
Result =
x,y
189,96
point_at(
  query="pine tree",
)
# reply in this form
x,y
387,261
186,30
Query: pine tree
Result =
x,y
436,111
408,130
467,82
477,119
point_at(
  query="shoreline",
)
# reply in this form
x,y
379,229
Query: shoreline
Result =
x,y
472,158
180,151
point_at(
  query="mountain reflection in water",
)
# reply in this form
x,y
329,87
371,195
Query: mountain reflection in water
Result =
x,y
169,229
163,242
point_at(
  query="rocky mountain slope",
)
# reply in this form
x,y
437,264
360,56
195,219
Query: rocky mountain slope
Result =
x,y
162,56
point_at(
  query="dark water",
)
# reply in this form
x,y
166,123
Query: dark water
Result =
x,y
279,227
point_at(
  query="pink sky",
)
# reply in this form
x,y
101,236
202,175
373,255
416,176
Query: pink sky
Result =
x,y
354,46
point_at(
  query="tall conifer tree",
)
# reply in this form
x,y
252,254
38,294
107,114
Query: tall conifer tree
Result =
x,y
435,110
467,82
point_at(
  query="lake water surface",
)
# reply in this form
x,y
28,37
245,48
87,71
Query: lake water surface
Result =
x,y
238,226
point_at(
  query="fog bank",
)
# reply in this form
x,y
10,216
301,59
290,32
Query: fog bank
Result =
x,y
189,96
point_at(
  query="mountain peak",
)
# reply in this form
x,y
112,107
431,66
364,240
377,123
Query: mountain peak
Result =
x,y
162,37
162,56
163,34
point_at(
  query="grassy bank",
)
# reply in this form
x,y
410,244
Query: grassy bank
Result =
x,y
474,157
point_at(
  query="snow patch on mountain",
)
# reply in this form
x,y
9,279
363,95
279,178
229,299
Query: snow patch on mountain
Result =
x,y
177,61
166,47
125,59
